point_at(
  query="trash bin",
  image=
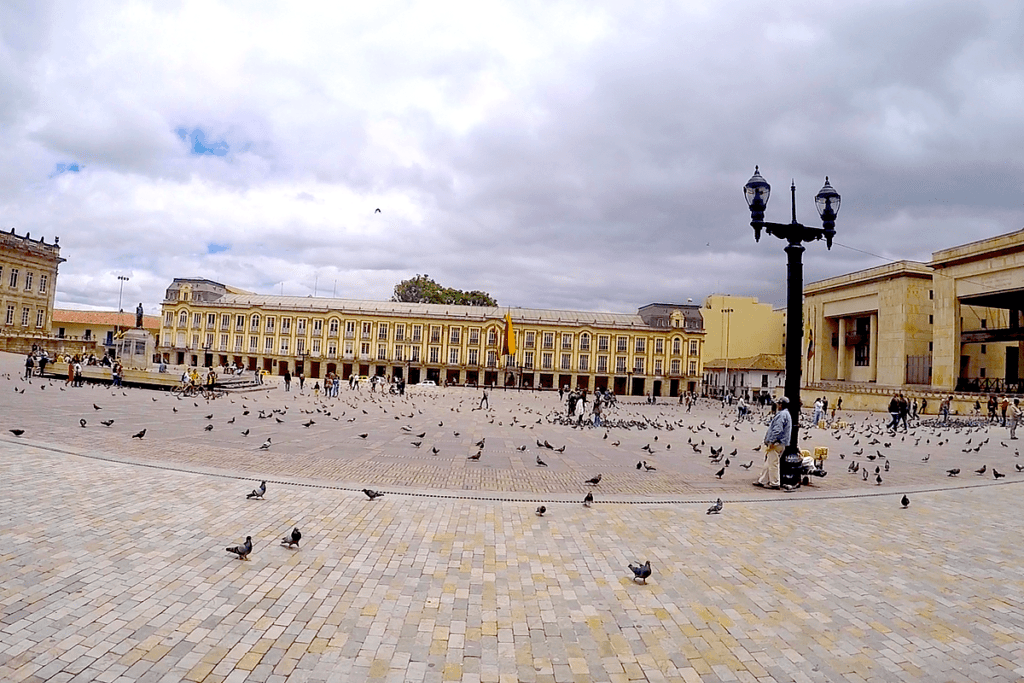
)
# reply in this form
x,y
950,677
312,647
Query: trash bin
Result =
x,y
790,466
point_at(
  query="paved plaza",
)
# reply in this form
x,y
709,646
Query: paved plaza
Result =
x,y
113,564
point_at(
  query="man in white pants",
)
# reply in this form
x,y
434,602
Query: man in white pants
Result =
x,y
775,440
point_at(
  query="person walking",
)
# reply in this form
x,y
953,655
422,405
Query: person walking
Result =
x,y
483,400
597,412
776,439
30,363
894,413
287,380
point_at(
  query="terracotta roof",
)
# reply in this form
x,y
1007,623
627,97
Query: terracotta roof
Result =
x,y
764,361
104,318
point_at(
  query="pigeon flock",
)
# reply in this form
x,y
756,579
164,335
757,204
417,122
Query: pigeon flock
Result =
x,y
277,421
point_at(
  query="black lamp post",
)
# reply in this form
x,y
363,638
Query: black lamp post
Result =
x,y
827,202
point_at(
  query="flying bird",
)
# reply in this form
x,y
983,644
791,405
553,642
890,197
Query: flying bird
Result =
x,y
242,550
139,435
258,493
377,211
641,571
716,508
292,539
372,494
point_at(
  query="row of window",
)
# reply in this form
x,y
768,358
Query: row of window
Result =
x,y
414,333
14,278
26,313
409,353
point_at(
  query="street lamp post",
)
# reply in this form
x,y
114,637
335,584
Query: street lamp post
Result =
x,y
120,310
728,318
757,191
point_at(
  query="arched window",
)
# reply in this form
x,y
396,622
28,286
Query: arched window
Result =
x,y
254,322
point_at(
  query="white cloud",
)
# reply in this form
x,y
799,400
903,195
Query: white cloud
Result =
x,y
565,155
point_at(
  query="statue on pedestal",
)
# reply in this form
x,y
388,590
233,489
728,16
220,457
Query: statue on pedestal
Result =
x,y
138,316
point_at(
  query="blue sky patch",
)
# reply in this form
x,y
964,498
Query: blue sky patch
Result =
x,y
213,248
58,169
198,144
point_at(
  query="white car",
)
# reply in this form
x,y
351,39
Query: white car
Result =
x,y
428,383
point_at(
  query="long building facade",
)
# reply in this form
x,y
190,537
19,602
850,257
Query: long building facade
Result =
x,y
658,350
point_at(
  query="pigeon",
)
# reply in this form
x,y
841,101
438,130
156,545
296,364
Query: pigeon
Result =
x,y
96,407
1020,468
560,450
420,436
953,472
377,211
363,436
996,474
905,501
242,550
231,421
748,465
208,428
475,456
265,445
716,508
639,464
417,444
434,450
292,539
541,510
641,571
82,422
480,443
878,479
371,494
594,482
245,433
541,463
17,432
139,435
926,458
886,465
106,423
982,470
258,493
209,417
720,472
588,499
649,468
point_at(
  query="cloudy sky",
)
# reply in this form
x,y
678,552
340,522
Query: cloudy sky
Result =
x,y
579,155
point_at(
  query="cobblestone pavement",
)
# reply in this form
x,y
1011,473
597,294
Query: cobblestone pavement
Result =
x,y
113,568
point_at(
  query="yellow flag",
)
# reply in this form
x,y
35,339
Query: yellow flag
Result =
x,y
509,343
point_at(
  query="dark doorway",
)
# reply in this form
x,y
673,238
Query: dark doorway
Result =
x,y
381,370
453,377
656,389
673,387
620,386
346,370
251,364
332,368
434,375
282,367
527,381
490,377
314,369
638,386
223,360
398,372
472,378
547,381
268,365
583,382
565,381
300,368
601,382
1012,364
181,358
414,375
364,370
207,360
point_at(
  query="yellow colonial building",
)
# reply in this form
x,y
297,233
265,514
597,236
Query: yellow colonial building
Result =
x,y
656,350
950,325
28,277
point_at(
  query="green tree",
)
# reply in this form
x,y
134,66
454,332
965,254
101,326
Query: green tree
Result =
x,y
423,290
